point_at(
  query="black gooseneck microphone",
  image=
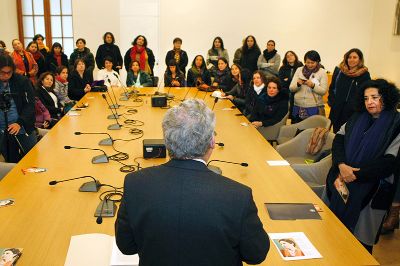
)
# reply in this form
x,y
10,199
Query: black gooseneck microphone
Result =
x,y
215,102
116,126
96,159
204,97
104,142
92,186
125,95
218,170
184,98
194,97
99,219
170,96
157,92
220,144
116,105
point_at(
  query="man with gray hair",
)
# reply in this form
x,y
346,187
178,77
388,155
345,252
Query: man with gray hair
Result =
x,y
181,213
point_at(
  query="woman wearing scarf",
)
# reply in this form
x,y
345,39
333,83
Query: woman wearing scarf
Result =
x,y
365,164
198,75
309,84
346,80
240,79
45,92
39,39
222,78
33,49
82,52
109,49
178,55
173,76
61,88
137,77
249,54
268,62
256,92
24,62
56,58
139,52
271,106
217,51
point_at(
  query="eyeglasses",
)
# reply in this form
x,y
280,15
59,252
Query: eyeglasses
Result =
x,y
4,73
374,98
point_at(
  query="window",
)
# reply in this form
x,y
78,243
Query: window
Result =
x,y
51,18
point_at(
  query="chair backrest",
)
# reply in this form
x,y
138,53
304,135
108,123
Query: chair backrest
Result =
x,y
271,133
5,168
297,146
288,132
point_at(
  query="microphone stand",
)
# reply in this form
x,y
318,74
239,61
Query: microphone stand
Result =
x,y
104,142
92,186
116,105
116,126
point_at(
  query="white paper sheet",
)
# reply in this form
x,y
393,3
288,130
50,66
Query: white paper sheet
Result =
x,y
277,162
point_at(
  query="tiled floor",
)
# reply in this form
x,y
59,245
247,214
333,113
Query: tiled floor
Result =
x,y
387,251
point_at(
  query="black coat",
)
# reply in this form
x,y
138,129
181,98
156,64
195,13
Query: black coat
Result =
x,y
286,74
224,80
76,84
110,50
85,55
181,213
249,59
22,93
192,78
180,77
51,62
45,98
151,59
270,110
251,99
342,96
183,61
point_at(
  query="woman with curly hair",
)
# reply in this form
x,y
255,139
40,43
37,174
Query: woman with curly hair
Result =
x,y
346,80
141,53
362,180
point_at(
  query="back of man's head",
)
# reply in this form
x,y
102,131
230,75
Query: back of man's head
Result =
x,y
188,129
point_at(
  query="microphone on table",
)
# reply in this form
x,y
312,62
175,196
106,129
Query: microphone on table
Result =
x,y
92,186
103,158
125,95
205,95
112,106
184,98
104,142
157,92
106,208
169,96
218,170
220,144
194,97
215,101
116,126
116,105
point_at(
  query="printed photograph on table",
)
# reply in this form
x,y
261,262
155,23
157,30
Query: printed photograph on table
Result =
x,y
9,256
288,247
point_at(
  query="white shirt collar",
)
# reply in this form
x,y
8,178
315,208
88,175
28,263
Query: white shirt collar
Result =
x,y
199,160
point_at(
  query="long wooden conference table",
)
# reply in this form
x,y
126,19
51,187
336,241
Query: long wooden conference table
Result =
x,y
45,217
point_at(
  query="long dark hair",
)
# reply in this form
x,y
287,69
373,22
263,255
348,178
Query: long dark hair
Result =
x,y
245,48
358,52
172,62
220,40
39,82
203,64
6,61
296,61
112,37
56,44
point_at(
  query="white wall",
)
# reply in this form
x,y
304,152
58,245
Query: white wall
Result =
x,y
8,22
384,47
331,27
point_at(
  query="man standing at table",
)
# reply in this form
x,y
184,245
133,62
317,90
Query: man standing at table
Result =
x,y
181,213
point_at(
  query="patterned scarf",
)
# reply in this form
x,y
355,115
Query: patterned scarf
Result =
x,y
37,55
356,72
307,72
141,51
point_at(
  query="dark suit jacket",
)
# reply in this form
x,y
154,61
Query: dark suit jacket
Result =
x,y
181,213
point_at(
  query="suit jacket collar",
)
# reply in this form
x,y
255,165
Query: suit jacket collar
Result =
x,y
187,164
